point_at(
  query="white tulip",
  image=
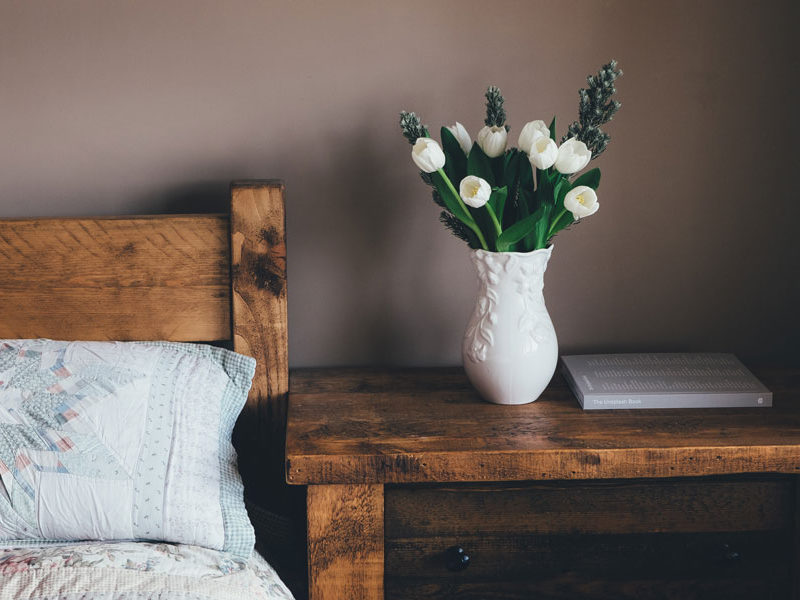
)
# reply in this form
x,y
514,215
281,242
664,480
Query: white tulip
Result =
x,y
462,137
475,191
543,153
530,133
581,202
493,141
428,155
572,157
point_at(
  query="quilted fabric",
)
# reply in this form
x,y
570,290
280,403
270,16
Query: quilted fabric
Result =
x,y
135,571
126,441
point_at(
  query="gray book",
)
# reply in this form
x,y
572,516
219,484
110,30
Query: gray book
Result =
x,y
614,381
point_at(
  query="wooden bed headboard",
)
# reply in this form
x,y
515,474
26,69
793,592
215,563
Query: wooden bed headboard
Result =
x,y
189,278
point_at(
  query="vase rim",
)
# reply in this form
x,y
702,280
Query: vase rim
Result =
x,y
547,250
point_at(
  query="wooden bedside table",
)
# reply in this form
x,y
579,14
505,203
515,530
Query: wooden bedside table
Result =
x,y
546,500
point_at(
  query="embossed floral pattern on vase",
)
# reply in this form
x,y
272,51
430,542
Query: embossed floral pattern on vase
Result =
x,y
510,346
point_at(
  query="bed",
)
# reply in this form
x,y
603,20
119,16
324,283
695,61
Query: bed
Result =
x,y
214,279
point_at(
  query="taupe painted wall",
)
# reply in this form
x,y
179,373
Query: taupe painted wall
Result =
x,y
125,107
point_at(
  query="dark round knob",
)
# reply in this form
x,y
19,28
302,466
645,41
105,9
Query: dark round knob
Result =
x,y
456,559
730,554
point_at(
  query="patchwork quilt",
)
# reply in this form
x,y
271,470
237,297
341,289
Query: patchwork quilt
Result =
x,y
121,441
135,571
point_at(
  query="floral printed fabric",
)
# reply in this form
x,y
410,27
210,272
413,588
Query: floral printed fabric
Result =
x,y
121,441
135,571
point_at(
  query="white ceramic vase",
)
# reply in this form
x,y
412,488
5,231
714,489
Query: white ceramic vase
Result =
x,y
510,348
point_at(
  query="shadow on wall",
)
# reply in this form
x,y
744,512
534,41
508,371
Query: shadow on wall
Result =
x,y
347,245
357,263
208,197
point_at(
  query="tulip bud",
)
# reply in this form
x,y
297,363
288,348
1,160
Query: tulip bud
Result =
x,y
530,133
493,140
427,155
474,191
581,202
543,153
572,157
462,137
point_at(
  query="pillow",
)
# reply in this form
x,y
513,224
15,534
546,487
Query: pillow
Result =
x,y
121,440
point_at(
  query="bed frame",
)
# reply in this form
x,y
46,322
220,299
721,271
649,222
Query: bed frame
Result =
x,y
184,278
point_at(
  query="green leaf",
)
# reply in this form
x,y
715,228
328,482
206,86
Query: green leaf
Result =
x,y
498,201
511,180
541,227
455,160
563,222
560,192
478,164
553,129
518,231
498,168
452,204
526,175
510,166
590,179
484,223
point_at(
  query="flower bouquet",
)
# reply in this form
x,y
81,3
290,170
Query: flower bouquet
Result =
x,y
509,205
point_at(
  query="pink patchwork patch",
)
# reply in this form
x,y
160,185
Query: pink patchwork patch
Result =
x,y
22,462
55,388
69,414
62,372
64,444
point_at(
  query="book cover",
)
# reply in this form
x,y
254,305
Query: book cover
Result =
x,y
662,380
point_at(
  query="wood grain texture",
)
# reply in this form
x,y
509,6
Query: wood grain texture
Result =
x,y
572,539
569,588
662,556
258,268
594,539
740,503
134,278
738,565
345,542
796,549
361,427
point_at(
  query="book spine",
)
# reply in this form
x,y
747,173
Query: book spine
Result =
x,y
644,401
572,385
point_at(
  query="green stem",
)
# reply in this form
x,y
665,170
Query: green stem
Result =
x,y
493,215
554,221
472,225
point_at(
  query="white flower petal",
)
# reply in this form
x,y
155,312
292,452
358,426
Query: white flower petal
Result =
x,y
493,141
543,153
427,155
462,137
474,191
530,133
581,202
572,157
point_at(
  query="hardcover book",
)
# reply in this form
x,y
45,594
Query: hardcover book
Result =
x,y
626,381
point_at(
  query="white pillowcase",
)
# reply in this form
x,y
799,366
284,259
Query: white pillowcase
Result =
x,y
121,440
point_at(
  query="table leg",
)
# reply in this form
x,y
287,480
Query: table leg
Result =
x,y
796,562
345,542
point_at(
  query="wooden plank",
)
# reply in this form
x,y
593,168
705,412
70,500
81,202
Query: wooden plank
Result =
x,y
135,278
366,380
445,433
796,549
569,587
585,564
345,542
258,268
742,503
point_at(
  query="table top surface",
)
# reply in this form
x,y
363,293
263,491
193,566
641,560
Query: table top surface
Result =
x,y
429,425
